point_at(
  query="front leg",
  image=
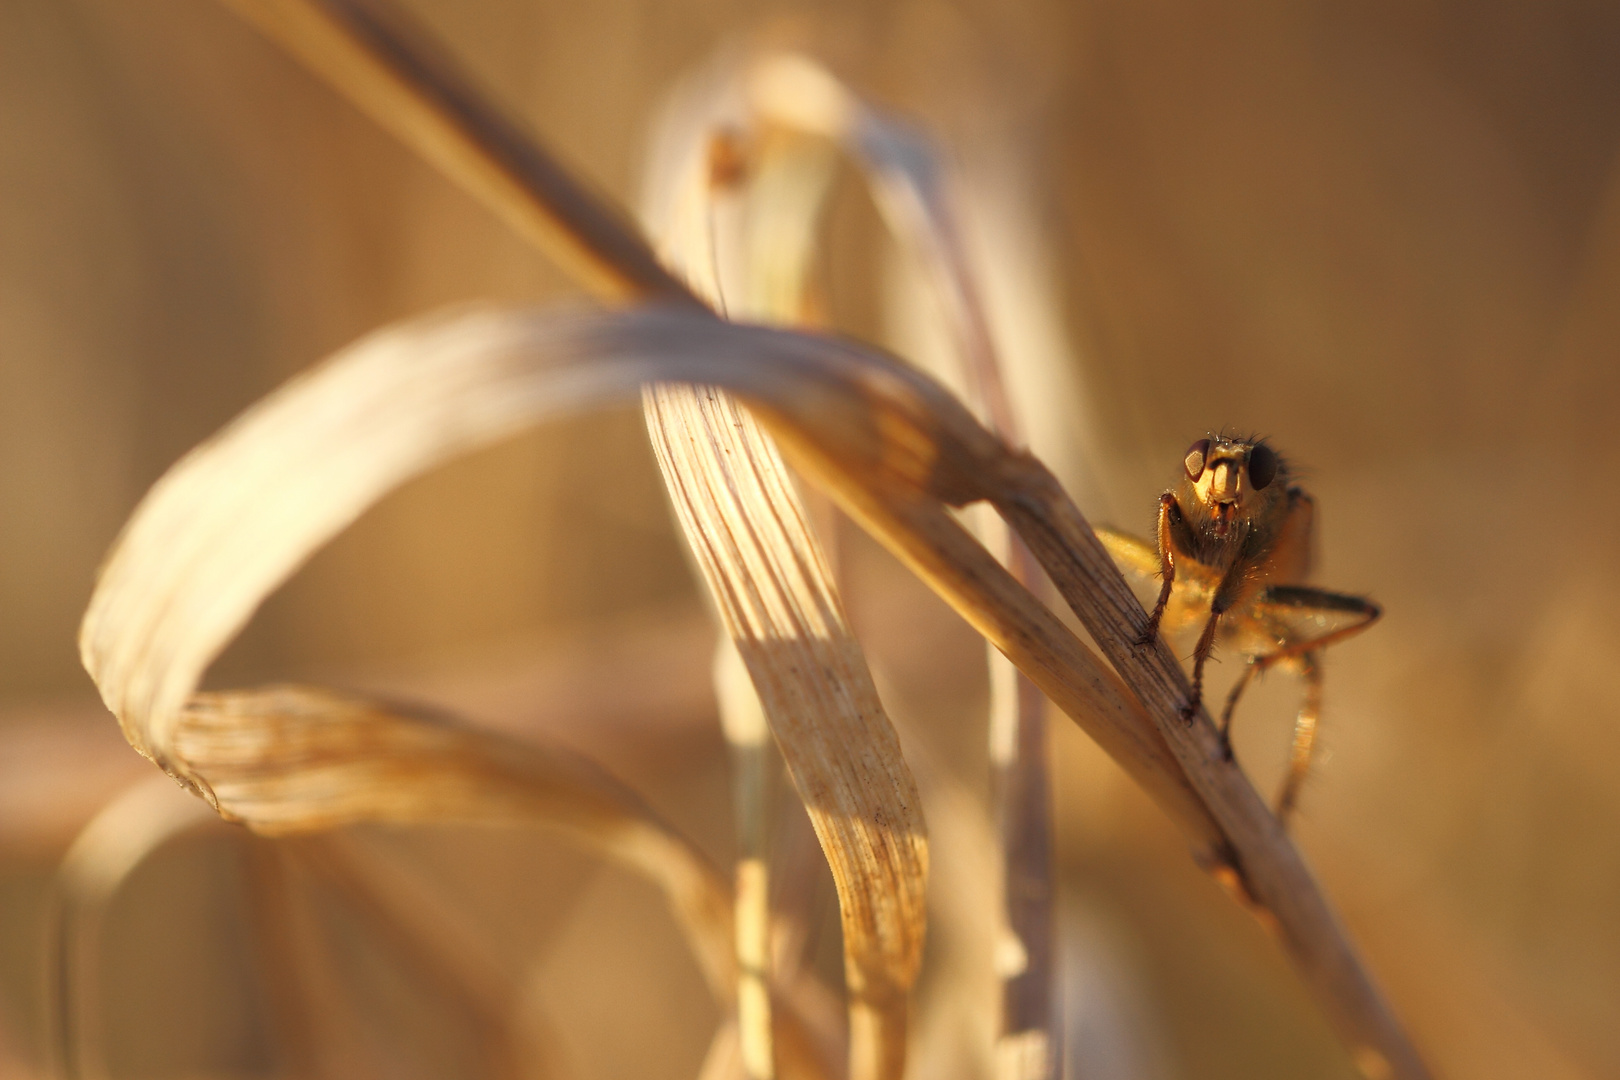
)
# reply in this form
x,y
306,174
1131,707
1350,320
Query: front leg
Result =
x,y
1201,651
1169,515
1226,594
1225,727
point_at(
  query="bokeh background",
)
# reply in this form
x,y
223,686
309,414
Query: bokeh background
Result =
x,y
1387,235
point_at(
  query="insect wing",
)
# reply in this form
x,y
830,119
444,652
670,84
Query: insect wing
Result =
x,y
1137,559
1298,614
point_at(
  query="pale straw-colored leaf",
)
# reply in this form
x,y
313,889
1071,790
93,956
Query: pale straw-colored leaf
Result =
x,y
748,734
777,116
431,938
912,188
295,759
932,448
749,534
237,515
773,588
232,520
130,827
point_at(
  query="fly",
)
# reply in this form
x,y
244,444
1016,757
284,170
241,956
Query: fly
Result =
x,y
1233,549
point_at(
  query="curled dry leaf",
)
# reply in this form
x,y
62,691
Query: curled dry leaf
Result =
x,y
144,817
910,184
233,519
777,599
295,759
906,441
237,515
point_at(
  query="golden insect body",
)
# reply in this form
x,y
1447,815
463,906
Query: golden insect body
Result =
x,y
1233,551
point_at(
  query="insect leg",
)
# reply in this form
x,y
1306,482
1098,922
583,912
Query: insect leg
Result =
x,y
1296,608
1299,761
1249,672
1201,651
1167,566
1226,594
1281,602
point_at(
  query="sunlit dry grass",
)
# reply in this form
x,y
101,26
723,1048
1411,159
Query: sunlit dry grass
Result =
x,y
1425,867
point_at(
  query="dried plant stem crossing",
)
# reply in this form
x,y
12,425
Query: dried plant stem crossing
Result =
x,y
1267,866
871,829
438,114
909,185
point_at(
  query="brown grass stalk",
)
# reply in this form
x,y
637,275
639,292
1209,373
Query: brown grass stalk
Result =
x,y
910,185
372,57
397,76
774,592
773,587
913,437
1258,854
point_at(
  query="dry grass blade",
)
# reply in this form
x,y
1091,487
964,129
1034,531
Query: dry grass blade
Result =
x,y
910,184
778,602
748,734
294,759
383,64
920,439
129,828
233,519
1262,862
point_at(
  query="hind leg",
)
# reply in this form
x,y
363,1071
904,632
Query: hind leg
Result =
x,y
1299,761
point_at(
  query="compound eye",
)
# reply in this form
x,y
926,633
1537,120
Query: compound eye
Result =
x,y
1262,467
1197,454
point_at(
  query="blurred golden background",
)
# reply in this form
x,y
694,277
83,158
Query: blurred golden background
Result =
x,y
1387,235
